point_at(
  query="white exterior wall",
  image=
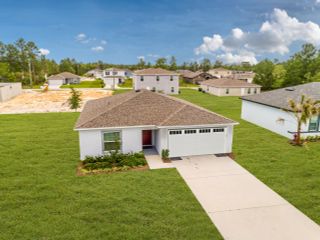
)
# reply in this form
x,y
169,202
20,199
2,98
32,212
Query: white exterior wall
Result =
x,y
112,81
90,143
55,84
150,81
161,139
232,91
269,118
131,140
9,90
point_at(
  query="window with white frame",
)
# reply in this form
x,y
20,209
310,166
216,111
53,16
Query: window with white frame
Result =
x,y
158,78
190,131
111,141
107,73
172,89
175,132
205,130
249,90
141,78
171,78
314,124
218,130
227,91
255,91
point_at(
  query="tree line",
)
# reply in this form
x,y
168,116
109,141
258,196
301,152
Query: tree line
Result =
x,y
22,61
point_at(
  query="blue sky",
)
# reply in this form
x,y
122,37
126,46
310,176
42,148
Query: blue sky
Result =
x,y
121,31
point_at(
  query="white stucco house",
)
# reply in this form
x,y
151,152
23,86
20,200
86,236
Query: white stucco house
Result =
x,y
144,119
114,76
267,110
96,73
157,80
220,72
9,90
229,87
57,80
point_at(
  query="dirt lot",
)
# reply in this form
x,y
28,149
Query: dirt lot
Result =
x,y
32,101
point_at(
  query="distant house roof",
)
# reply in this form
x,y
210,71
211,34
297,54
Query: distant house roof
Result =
x,y
117,69
221,69
279,98
145,108
228,82
62,76
155,71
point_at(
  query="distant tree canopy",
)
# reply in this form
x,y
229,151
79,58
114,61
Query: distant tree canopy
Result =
x,y
22,59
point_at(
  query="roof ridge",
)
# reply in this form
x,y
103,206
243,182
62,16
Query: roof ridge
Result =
x,y
172,114
116,105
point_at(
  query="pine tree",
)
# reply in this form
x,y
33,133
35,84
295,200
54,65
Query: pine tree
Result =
x,y
75,99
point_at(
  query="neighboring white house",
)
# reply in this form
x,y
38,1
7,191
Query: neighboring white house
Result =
x,y
9,90
220,72
144,119
229,87
157,80
56,81
114,76
96,73
266,110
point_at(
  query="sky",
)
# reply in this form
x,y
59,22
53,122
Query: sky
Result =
x,y
123,31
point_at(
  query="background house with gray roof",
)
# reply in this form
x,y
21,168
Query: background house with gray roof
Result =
x,y
267,110
57,80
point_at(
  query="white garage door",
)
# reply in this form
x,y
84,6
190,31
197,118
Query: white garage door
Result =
x,y
55,84
188,142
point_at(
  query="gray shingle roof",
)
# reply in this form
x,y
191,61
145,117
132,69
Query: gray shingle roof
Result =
x,y
155,71
228,82
62,76
145,108
279,98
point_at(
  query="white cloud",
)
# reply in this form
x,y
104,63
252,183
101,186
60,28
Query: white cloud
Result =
x,y
317,2
274,36
141,58
97,49
44,52
153,55
244,56
81,37
103,42
210,44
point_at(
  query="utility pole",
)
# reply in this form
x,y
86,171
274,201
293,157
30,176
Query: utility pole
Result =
x,y
30,72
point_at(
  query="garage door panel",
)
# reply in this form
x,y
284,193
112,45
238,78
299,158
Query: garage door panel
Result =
x,y
196,143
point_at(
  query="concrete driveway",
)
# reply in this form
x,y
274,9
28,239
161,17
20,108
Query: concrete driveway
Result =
x,y
241,206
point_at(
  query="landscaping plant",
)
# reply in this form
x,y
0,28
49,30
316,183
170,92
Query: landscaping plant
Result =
x,y
165,154
303,111
75,99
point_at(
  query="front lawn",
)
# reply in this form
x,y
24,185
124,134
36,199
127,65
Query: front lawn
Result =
x,y
85,84
42,198
183,83
127,83
293,172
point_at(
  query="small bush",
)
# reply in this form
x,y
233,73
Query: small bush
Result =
x,y
165,154
114,161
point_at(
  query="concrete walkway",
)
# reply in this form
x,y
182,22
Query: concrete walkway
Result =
x,y
241,206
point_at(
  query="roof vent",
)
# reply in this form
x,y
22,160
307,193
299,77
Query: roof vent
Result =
x,y
290,89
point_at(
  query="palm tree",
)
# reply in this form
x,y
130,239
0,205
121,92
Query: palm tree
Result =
x,y
303,110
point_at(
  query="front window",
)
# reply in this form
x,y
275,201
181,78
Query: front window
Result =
x,y
227,91
171,78
141,79
111,141
314,124
249,90
158,78
255,91
172,89
107,73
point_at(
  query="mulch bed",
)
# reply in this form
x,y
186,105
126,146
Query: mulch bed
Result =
x,y
79,171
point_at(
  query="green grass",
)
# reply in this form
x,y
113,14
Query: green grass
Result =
x,y
85,84
127,83
182,83
42,198
33,86
293,172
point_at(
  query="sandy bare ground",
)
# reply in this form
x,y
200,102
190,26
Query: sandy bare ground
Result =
x,y
32,101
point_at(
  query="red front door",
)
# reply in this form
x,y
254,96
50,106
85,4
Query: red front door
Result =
x,y
147,137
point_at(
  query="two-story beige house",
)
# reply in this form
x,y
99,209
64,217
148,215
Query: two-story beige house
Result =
x,y
157,80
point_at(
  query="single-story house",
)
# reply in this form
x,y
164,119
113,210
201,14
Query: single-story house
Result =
x,y
267,110
157,80
136,120
247,76
114,76
55,81
220,72
229,87
9,90
96,73
195,77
